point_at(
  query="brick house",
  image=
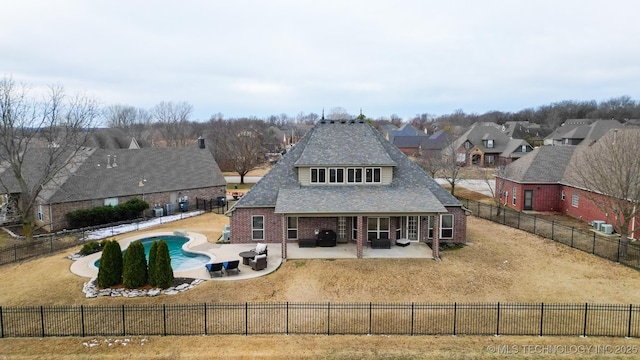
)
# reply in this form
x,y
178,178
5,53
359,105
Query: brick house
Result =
x,y
542,181
344,176
163,177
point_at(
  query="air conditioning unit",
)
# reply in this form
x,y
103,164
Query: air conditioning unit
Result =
x,y
225,235
606,228
596,224
157,212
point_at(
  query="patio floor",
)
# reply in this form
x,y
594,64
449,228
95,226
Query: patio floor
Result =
x,y
224,252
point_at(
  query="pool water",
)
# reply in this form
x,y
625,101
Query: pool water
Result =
x,y
180,260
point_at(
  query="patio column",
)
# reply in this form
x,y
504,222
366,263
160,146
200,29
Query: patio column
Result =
x,y
284,237
361,237
435,248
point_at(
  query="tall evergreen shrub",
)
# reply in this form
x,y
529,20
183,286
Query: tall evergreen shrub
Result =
x,y
110,270
164,271
134,272
152,263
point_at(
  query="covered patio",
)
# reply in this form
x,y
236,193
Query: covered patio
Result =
x,y
349,251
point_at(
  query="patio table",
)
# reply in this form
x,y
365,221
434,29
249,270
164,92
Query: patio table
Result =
x,y
247,255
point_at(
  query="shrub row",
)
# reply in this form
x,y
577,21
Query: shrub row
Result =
x,y
107,214
132,270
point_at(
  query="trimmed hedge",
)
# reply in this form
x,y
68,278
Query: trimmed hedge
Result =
x,y
107,214
134,269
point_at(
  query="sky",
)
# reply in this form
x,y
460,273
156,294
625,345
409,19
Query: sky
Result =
x,y
261,58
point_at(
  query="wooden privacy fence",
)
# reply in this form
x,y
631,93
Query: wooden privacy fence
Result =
x,y
605,246
541,319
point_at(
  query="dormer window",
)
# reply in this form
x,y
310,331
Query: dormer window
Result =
x,y
490,143
354,175
372,175
318,175
524,148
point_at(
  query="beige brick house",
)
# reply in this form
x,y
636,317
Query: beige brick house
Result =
x,y
345,178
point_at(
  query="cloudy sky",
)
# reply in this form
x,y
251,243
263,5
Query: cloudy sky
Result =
x,y
258,58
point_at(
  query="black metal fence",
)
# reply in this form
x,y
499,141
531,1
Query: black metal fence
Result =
x,y
218,205
605,246
54,242
324,318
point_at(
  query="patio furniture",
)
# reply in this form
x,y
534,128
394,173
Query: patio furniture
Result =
x,y
381,243
216,269
326,238
259,262
232,266
306,243
247,255
260,249
403,242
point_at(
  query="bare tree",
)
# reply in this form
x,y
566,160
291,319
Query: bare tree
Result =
x,y
40,143
173,122
430,162
451,166
496,183
609,169
238,144
128,118
338,113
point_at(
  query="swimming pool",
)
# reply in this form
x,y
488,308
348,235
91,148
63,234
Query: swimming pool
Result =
x,y
181,259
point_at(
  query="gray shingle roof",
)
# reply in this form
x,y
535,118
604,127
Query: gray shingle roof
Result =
x,y
411,190
164,169
545,164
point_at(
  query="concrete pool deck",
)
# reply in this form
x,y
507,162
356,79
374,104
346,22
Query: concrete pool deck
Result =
x,y
198,244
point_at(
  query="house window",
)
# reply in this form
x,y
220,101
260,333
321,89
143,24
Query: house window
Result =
x,y
461,157
430,220
490,143
574,200
354,228
354,175
257,227
292,227
514,197
489,159
467,145
562,195
446,226
378,228
372,175
523,148
111,202
336,175
318,175
40,213
342,227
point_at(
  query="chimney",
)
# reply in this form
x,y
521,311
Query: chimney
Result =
x,y
114,162
201,142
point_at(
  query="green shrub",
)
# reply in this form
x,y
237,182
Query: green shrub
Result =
x,y
110,271
163,271
134,270
107,214
152,263
90,248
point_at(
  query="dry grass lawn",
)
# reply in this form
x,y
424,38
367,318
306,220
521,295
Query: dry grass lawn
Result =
x,y
500,264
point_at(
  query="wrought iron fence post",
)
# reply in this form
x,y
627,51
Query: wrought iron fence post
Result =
x,y
412,318
628,328
287,318
329,318
541,318
204,308
498,321
82,318
370,317
42,319
1,324
246,319
455,314
584,329
572,229
123,322
164,319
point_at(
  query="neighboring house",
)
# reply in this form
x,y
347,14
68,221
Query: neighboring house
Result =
x,y
541,181
484,144
404,130
110,138
163,177
575,131
533,133
346,177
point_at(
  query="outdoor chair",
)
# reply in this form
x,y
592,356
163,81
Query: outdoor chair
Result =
x,y
216,269
232,266
261,249
259,262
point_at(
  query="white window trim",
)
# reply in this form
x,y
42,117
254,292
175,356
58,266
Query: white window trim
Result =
x,y
292,228
253,229
514,196
378,229
563,195
490,143
111,201
373,175
443,228
40,213
318,170
336,170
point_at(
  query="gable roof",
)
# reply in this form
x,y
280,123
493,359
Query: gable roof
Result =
x,y
583,129
280,187
480,132
103,173
545,164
